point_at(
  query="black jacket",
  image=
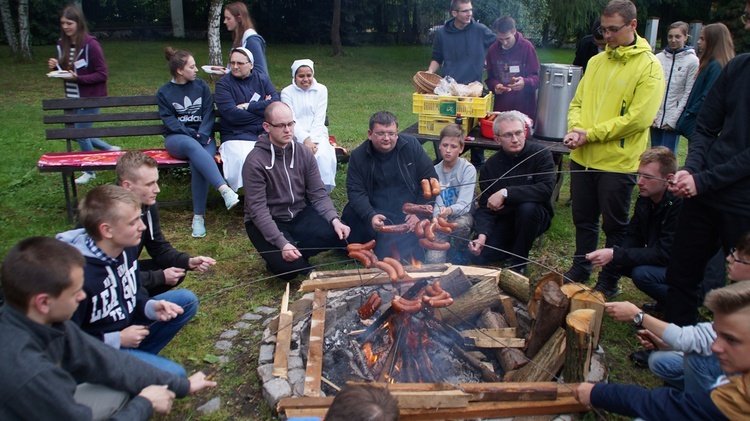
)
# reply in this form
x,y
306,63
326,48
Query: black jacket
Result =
x,y
413,165
528,176
164,255
719,151
650,233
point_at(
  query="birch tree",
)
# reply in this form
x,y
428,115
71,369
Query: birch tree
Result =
x,y
214,36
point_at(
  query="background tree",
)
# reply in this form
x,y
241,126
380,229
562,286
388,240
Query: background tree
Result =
x,y
214,28
336,28
9,27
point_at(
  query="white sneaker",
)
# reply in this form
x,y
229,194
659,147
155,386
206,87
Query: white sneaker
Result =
x,y
230,198
115,148
199,227
85,178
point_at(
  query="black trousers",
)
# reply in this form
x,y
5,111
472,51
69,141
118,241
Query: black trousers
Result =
x,y
308,231
148,265
514,231
701,232
594,194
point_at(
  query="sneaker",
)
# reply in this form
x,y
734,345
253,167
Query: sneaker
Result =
x,y
573,276
199,227
115,148
230,198
640,358
609,292
85,178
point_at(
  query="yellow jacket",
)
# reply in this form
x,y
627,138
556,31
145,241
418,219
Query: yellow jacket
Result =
x,y
616,102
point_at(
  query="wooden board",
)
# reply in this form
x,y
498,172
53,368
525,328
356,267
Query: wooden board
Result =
x,y
501,343
436,267
352,281
508,311
283,342
508,332
315,353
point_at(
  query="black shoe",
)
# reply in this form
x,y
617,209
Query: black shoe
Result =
x,y
653,308
573,276
609,292
640,358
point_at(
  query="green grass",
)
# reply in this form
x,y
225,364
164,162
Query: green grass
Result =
x,y
365,80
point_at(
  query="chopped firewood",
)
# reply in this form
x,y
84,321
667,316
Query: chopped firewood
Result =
x,y
552,311
534,302
315,352
579,334
545,365
283,338
573,288
590,300
509,358
514,284
455,282
508,311
483,295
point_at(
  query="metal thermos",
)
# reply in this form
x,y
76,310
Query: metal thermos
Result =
x,y
557,86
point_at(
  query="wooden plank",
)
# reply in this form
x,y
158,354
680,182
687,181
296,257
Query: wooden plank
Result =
x,y
435,267
497,410
509,332
431,399
98,102
352,281
512,391
489,342
315,353
115,131
283,338
99,118
508,311
477,271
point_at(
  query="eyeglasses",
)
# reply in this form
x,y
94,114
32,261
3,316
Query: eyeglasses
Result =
x,y
732,252
464,10
238,63
612,30
383,135
283,125
510,135
744,18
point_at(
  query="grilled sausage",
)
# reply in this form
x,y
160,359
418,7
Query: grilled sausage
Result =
x,y
434,245
370,307
400,272
388,269
413,208
359,247
426,189
434,186
362,257
419,228
436,286
438,227
408,306
444,223
441,303
394,229
429,231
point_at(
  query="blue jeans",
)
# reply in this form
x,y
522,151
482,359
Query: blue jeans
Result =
x,y
202,166
652,281
661,137
160,333
690,372
89,143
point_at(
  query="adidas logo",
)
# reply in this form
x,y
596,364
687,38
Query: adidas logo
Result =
x,y
189,107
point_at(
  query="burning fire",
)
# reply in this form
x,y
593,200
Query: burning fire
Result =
x,y
416,263
369,355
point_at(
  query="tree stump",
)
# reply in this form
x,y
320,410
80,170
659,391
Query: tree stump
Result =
x,y
579,334
593,300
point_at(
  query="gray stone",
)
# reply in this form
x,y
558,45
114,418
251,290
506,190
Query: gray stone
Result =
x,y
299,389
295,362
266,333
251,317
275,390
229,334
265,372
224,345
270,340
296,376
242,325
266,354
267,322
223,359
266,310
210,406
309,296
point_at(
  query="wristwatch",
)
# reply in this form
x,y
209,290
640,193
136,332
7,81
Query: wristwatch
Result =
x,y
638,319
504,193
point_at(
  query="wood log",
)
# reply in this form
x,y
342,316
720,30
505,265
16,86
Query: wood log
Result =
x,y
509,358
477,271
573,288
314,369
545,364
514,284
593,300
579,335
319,274
552,311
483,295
536,297
455,282
508,311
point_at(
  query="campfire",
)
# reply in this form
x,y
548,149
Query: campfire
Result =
x,y
494,350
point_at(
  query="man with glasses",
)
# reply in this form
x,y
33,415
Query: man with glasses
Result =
x,y
384,173
716,184
609,120
241,99
460,47
289,216
515,204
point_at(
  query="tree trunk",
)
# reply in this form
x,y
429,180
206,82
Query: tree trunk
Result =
x,y
214,40
23,29
336,28
9,26
178,19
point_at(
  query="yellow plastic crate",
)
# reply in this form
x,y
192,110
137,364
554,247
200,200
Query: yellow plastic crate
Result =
x,y
433,124
430,104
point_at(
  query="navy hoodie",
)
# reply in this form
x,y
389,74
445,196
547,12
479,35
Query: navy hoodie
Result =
x,y
113,301
187,109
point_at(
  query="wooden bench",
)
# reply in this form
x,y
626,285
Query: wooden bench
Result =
x,y
119,117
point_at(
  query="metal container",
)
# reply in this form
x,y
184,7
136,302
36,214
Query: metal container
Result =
x,y
557,86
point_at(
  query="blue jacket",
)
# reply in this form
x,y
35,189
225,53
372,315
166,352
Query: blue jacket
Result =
x,y
461,52
663,403
187,109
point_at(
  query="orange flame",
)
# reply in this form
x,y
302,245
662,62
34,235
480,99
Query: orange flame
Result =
x,y
416,263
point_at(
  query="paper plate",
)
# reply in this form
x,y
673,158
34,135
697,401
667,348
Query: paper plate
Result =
x,y
213,70
60,74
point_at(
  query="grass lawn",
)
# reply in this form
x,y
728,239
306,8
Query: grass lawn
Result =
x,y
366,80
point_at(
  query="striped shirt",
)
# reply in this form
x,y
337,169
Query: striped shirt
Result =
x,y
71,87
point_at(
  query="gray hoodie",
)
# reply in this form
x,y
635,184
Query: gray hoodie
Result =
x,y
279,183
